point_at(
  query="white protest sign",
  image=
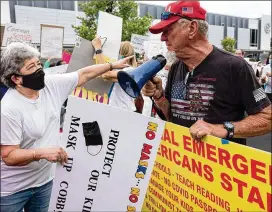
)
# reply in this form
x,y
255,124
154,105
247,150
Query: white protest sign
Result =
x,y
51,41
138,42
111,158
155,45
154,36
17,33
145,44
110,27
56,70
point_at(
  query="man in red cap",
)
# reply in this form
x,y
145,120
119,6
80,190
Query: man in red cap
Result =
x,y
208,89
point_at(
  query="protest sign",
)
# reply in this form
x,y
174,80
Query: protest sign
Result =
x,y
110,158
138,42
155,36
82,56
51,41
83,93
56,69
155,46
213,175
109,27
17,33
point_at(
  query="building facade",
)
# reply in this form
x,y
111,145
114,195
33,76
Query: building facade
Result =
x,y
250,34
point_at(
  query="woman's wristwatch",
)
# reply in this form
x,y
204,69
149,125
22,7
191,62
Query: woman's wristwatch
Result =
x,y
98,51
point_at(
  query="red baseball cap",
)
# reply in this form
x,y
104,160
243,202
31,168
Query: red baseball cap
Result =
x,y
186,9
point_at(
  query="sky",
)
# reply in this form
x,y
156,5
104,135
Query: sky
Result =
x,y
247,9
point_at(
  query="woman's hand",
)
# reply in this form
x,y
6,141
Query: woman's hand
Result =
x,y
120,64
55,154
13,155
97,43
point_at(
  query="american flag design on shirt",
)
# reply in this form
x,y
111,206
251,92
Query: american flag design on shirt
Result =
x,y
192,101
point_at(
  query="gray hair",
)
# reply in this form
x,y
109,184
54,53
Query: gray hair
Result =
x,y
12,60
203,25
170,57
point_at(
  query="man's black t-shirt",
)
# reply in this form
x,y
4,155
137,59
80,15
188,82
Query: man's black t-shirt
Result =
x,y
222,88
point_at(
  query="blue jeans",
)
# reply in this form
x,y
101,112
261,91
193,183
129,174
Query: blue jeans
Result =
x,y
31,200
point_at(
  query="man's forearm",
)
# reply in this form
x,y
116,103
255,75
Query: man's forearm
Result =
x,y
164,105
254,125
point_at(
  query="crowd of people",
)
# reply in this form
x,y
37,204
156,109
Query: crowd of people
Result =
x,y
202,87
262,72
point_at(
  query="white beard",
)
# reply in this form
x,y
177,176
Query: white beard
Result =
x,y
171,57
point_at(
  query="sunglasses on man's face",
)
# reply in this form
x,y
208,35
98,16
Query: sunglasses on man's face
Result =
x,y
166,15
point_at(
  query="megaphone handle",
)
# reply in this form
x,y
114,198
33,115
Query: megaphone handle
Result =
x,y
158,111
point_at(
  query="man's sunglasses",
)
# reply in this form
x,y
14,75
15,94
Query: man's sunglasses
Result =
x,y
166,15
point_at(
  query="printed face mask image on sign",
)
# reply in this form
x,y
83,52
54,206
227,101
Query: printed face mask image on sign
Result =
x,y
93,137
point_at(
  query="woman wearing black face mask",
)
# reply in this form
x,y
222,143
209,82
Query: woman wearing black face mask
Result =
x,y
30,125
33,81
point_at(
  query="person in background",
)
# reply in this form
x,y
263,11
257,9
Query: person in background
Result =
x,y
52,65
60,62
266,79
47,63
118,97
268,60
30,125
240,53
208,89
259,71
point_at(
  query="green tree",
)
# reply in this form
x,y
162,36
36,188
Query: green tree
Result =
x,y
228,44
124,9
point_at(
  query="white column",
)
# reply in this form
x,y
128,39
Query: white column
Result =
x,y
5,12
76,12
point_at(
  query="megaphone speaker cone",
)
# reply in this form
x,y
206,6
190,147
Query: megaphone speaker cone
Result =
x,y
133,81
129,84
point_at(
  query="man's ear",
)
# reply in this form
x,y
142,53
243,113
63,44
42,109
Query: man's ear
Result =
x,y
16,79
193,29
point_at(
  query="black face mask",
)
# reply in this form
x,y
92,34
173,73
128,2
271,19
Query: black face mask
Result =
x,y
35,80
93,138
